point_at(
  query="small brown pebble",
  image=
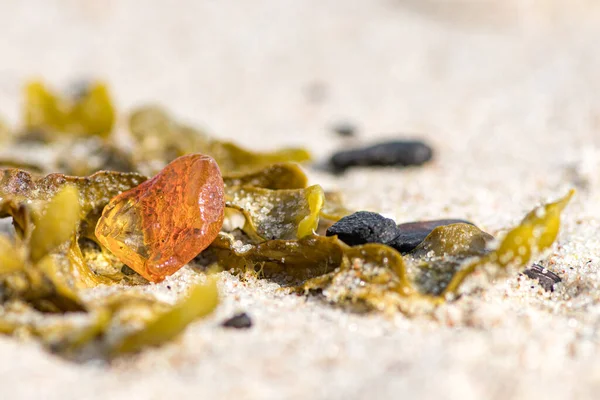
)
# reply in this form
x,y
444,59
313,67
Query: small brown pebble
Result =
x,y
238,321
546,278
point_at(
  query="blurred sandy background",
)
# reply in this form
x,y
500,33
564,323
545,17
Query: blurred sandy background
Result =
x,y
507,92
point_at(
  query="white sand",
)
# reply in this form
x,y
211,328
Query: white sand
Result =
x,y
508,93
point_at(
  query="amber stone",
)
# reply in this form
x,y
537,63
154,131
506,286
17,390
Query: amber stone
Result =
x,y
162,224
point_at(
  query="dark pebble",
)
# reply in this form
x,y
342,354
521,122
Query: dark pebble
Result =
x,y
345,129
395,153
125,270
364,227
411,234
546,278
238,321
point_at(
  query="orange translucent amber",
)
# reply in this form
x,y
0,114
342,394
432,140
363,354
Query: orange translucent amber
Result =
x,y
162,224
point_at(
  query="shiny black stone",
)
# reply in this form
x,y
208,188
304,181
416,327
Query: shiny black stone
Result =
x,y
395,153
364,227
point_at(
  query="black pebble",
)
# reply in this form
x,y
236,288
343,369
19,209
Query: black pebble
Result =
x,y
125,270
345,129
364,227
546,278
411,234
238,321
395,153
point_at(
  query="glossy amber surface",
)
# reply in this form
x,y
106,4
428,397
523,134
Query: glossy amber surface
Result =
x,y
162,224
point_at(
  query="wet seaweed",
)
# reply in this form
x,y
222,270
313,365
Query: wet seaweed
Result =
x,y
160,139
275,225
377,276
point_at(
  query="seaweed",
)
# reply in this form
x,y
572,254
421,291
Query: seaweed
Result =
x,y
275,176
302,258
277,214
536,233
43,269
437,269
202,300
5,132
79,156
90,113
32,274
376,276
66,134
61,217
10,257
111,326
23,197
274,225
159,140
20,191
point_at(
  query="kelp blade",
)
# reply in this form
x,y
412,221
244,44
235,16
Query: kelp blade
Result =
x,y
58,224
277,214
536,233
303,258
160,139
202,300
90,114
444,259
275,176
24,194
10,258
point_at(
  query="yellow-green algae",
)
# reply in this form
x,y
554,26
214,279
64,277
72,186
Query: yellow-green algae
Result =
x,y
201,301
61,217
377,276
275,176
53,255
90,114
37,281
536,233
277,214
160,139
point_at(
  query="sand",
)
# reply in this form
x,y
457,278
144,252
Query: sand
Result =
x,y
506,92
